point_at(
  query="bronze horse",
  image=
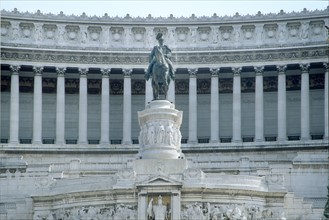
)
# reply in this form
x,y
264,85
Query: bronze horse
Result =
x,y
160,76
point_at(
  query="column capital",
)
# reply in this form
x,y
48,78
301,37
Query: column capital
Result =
x,y
236,71
127,72
38,70
192,72
281,69
14,69
214,71
83,72
259,70
60,71
105,72
304,67
326,66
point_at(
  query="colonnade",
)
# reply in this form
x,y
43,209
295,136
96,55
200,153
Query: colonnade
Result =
x,y
192,117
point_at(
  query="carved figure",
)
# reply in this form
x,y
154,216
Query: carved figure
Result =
x,y
157,212
150,134
160,68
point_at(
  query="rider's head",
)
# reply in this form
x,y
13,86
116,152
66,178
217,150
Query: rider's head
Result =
x,y
159,37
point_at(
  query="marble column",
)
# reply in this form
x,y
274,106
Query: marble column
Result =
x,y
14,105
259,104
171,90
326,100
305,103
282,115
214,107
192,125
126,139
105,107
148,91
237,104
60,106
83,106
37,106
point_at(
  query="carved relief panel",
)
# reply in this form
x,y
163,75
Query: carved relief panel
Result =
x,y
293,30
226,33
26,30
182,34
72,33
116,34
5,29
138,34
315,29
270,32
248,32
204,33
49,31
94,33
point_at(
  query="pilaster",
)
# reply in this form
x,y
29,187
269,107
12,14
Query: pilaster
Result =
x,y
126,106
148,90
305,103
214,106
37,106
192,126
326,100
171,90
105,107
237,104
14,105
282,114
83,106
259,104
60,106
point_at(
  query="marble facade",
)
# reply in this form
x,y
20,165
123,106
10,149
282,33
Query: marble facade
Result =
x,y
253,137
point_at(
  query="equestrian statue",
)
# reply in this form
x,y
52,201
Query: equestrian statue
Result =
x,y
160,68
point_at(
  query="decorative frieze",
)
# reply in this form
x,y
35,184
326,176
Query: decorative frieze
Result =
x,y
208,210
185,58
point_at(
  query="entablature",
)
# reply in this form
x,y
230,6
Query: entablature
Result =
x,y
139,59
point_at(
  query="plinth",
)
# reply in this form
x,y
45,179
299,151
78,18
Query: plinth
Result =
x,y
160,136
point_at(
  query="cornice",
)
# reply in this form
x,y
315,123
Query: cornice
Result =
x,y
171,19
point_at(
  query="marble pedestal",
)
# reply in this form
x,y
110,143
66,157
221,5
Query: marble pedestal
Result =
x,y
160,136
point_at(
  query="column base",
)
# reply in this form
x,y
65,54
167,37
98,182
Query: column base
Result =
x,y
237,141
259,140
60,142
305,138
214,141
127,142
36,142
104,143
13,142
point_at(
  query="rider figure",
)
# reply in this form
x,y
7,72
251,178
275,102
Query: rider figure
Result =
x,y
167,55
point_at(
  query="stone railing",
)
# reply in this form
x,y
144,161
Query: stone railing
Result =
x,y
37,30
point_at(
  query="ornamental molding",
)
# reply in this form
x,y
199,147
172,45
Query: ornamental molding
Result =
x,y
128,60
171,19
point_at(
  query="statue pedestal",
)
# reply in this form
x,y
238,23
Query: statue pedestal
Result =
x,y
160,136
